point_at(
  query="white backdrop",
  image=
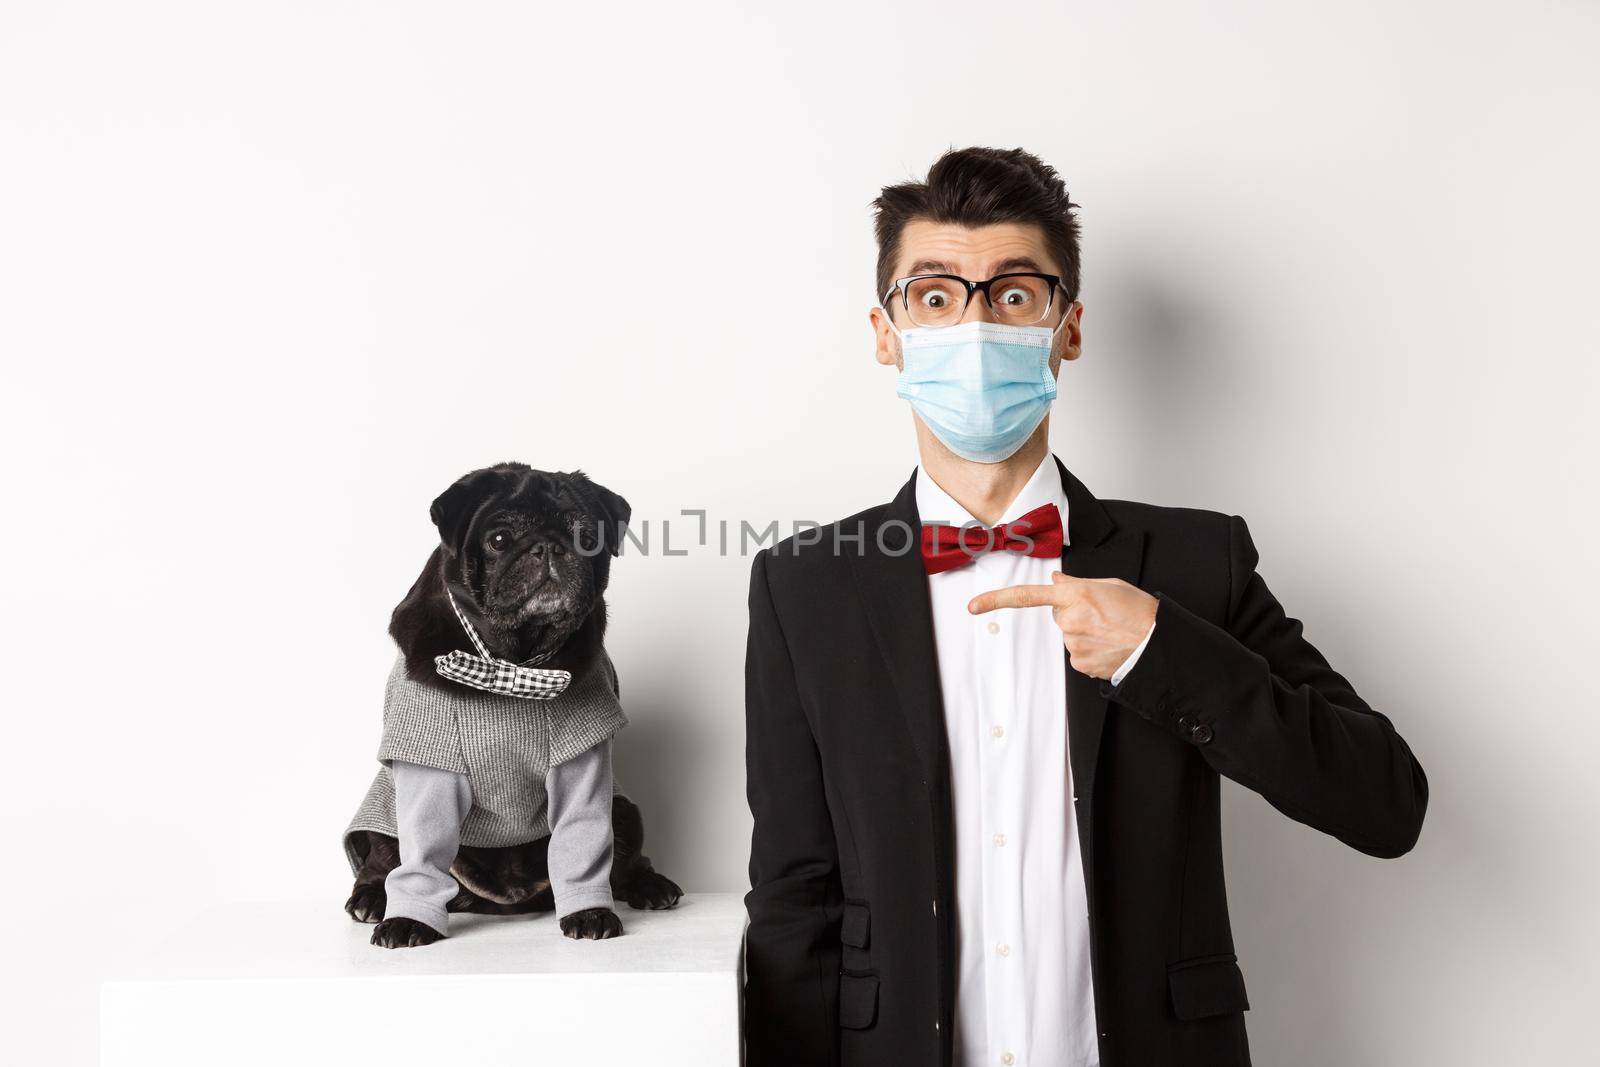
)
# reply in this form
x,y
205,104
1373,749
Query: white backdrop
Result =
x,y
271,276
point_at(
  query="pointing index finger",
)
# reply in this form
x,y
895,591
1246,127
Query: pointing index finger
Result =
x,y
1013,596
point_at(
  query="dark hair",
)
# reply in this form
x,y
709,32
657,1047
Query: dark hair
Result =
x,y
978,187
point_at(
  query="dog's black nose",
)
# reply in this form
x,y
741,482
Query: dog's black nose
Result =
x,y
540,549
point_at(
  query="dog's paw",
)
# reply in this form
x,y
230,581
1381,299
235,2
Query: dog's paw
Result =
x,y
366,903
651,890
591,924
404,933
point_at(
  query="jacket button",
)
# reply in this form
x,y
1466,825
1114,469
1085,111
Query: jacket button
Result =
x,y
1200,734
1186,723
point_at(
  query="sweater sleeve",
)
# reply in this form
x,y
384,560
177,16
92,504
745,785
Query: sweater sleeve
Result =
x,y
430,805
581,840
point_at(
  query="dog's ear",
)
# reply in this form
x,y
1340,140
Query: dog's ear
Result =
x,y
610,511
452,510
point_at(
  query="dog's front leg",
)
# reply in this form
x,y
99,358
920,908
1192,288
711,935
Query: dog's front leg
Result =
x,y
430,805
581,844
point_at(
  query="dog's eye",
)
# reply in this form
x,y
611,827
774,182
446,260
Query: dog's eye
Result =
x,y
498,541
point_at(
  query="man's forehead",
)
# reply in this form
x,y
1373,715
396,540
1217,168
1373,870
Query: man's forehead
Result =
x,y
972,251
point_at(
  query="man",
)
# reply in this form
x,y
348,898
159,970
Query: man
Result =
x,y
987,720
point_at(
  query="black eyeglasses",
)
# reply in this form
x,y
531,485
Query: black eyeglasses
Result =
x,y
1019,299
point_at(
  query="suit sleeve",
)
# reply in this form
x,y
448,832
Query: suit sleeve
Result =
x,y
1264,708
792,947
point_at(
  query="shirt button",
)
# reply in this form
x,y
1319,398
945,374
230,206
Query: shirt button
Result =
x,y
1007,1058
997,731
1003,948
994,627
1000,839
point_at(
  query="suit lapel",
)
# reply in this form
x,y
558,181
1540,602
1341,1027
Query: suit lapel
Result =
x,y
1096,548
894,591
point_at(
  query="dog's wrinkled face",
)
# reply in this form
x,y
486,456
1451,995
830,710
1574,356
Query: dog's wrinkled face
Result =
x,y
528,547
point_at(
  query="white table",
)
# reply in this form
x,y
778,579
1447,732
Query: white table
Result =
x,y
298,985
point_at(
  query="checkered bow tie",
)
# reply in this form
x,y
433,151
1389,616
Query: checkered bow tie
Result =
x,y
484,671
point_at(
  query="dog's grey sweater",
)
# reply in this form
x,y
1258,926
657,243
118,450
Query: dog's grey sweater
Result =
x,y
464,766
431,804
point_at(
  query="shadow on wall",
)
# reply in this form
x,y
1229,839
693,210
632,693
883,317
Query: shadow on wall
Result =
x,y
659,761
1306,914
1169,379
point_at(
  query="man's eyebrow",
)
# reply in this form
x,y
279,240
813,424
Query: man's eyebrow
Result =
x,y
1017,263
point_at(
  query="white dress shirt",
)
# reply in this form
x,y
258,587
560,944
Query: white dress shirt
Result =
x,y
1023,988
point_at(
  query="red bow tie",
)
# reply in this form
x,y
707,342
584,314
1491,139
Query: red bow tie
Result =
x,y
1038,533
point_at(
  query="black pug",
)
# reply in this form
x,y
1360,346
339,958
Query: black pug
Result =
x,y
519,548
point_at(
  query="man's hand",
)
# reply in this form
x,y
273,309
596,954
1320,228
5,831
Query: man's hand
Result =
x,y
1102,620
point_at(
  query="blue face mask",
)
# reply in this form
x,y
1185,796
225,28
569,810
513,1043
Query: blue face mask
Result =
x,y
981,387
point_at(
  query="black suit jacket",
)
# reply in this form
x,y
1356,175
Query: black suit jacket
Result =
x,y
849,949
